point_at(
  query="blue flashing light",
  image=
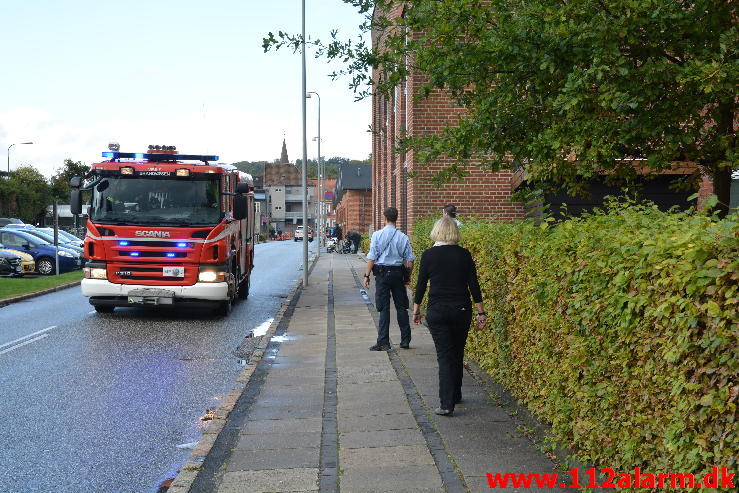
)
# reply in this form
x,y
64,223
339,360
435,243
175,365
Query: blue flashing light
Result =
x,y
134,254
170,255
181,245
138,155
122,243
109,155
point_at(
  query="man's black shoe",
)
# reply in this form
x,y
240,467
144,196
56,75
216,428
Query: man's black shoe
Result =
x,y
405,345
378,347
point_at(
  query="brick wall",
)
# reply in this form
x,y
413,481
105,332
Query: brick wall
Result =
x,y
354,212
482,193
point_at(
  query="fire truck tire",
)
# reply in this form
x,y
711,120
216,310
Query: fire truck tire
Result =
x,y
45,266
225,309
244,288
104,309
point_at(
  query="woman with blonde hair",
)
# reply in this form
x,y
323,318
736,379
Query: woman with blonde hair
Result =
x,y
453,277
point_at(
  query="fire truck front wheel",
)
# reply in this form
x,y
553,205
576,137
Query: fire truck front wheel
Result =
x,y
225,308
244,288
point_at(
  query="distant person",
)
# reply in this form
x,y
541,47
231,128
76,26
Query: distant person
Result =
x,y
355,238
453,276
390,253
338,233
451,211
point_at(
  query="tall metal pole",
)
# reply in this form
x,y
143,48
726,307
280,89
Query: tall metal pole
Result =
x,y
320,173
11,145
305,164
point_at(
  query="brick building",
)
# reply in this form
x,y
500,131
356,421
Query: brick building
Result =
x,y
353,198
483,194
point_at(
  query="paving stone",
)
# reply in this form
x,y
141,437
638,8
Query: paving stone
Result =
x,y
275,480
296,439
374,409
287,425
314,401
392,478
243,459
284,412
403,455
385,438
377,423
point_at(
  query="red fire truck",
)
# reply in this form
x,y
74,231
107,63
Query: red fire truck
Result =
x,y
166,229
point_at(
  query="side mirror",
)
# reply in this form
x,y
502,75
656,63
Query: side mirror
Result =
x,y
26,246
75,182
240,203
75,202
242,187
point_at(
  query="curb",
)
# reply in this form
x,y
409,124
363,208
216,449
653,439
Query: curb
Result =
x,y
23,297
190,470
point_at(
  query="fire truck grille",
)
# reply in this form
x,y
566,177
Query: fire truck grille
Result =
x,y
128,274
153,254
159,244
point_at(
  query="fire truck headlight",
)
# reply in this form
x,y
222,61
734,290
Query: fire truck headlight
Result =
x,y
126,170
183,172
211,275
95,273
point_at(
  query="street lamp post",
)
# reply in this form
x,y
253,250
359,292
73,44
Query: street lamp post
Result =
x,y
305,160
11,145
320,172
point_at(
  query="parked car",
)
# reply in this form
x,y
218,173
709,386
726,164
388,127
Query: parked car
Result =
x,y
10,264
299,234
43,251
4,221
68,237
19,226
28,266
63,242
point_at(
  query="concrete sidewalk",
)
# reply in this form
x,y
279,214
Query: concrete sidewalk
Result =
x,y
321,412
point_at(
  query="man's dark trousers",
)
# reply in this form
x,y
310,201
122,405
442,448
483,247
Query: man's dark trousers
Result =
x,y
449,326
391,282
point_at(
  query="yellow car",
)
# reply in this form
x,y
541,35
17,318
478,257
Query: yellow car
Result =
x,y
28,266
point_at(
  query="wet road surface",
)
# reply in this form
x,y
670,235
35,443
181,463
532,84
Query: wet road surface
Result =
x,y
100,403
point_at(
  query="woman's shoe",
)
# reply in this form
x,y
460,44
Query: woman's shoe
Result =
x,y
443,412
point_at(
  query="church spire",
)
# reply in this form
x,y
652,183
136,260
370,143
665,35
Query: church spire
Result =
x,y
283,155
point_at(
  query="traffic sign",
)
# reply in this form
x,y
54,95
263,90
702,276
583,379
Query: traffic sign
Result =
x,y
328,196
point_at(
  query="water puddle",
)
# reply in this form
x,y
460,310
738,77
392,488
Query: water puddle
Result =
x,y
282,338
262,328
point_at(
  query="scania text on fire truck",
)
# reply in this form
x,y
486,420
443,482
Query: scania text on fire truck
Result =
x,y
166,229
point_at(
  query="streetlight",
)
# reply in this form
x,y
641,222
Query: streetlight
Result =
x,y
11,145
320,174
305,160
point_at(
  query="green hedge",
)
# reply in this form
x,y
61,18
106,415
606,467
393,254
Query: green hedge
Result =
x,y
618,328
364,243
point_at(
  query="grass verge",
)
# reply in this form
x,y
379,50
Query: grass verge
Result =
x,y
15,286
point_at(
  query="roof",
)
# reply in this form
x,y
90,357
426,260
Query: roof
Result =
x,y
353,177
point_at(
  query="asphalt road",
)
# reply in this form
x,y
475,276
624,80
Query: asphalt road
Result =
x,y
100,403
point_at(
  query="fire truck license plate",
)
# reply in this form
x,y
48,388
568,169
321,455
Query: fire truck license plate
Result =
x,y
173,271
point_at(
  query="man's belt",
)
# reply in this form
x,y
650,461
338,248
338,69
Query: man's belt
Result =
x,y
388,268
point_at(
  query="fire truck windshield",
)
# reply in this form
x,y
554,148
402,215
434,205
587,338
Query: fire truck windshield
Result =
x,y
157,201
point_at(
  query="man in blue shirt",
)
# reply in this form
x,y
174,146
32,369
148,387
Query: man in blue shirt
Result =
x,y
390,249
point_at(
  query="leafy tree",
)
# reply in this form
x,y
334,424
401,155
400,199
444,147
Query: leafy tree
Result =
x,y
567,89
60,188
24,194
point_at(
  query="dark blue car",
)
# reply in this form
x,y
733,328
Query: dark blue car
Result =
x,y
42,251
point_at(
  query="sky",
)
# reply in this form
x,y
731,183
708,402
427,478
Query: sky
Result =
x,y
78,74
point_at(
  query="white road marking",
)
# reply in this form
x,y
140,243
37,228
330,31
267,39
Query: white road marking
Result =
x,y
23,344
11,343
